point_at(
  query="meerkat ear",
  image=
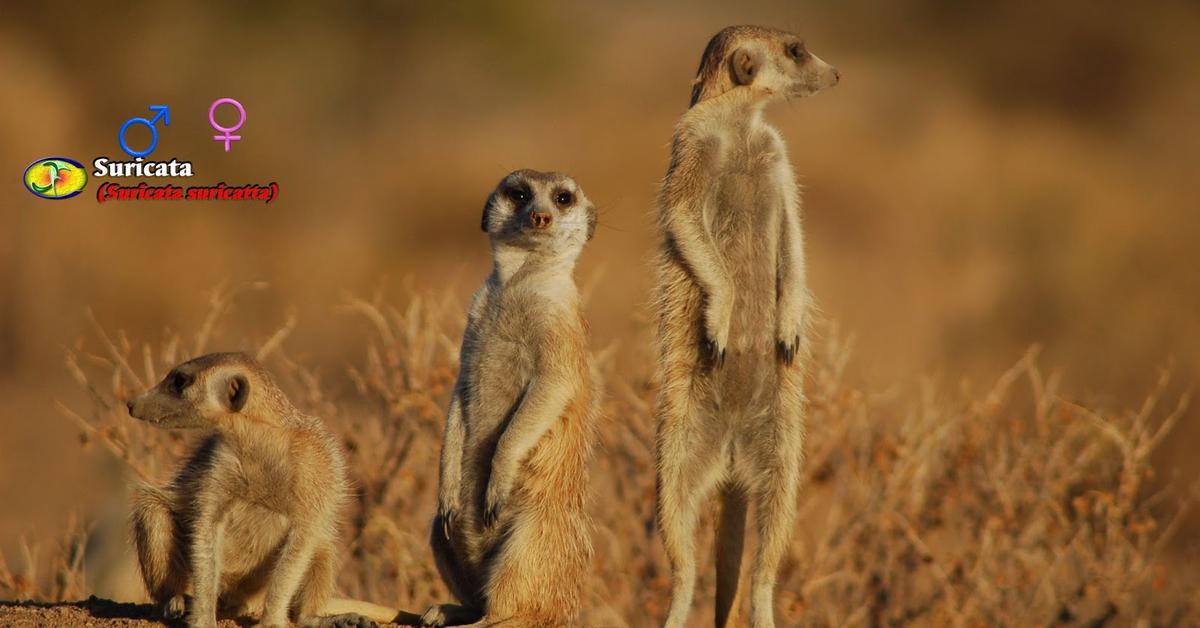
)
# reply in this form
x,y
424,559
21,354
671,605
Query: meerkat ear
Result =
x,y
743,66
591,218
235,392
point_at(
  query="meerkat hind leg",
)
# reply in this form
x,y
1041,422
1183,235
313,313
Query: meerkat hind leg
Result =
x,y
775,516
463,586
312,602
163,561
685,483
317,584
458,579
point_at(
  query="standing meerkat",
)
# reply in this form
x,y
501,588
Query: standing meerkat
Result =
x,y
732,314
511,537
253,510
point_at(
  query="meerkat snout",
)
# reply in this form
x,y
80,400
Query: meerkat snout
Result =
x,y
540,219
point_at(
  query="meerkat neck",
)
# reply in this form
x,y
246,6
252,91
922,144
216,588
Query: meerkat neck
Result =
x,y
270,415
253,437
513,263
736,107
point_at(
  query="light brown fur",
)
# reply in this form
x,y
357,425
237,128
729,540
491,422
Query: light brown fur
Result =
x,y
253,510
511,538
732,302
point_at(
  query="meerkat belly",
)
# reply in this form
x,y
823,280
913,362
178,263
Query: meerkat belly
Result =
x,y
745,227
555,470
495,395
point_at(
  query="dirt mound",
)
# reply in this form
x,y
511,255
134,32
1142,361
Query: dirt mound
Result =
x,y
91,612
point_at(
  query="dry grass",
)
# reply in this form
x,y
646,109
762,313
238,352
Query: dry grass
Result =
x,y
1015,506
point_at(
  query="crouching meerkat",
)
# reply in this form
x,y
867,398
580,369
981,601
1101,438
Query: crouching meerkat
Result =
x,y
252,511
731,300
511,537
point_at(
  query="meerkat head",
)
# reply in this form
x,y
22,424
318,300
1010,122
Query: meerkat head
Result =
x,y
201,392
766,63
535,210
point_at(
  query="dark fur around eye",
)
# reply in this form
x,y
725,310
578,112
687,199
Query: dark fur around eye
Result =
x,y
564,199
796,51
178,382
518,194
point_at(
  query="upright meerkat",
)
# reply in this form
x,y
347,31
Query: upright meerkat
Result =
x,y
254,508
732,301
511,537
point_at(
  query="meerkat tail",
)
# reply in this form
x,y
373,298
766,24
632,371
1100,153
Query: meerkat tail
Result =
x,y
374,612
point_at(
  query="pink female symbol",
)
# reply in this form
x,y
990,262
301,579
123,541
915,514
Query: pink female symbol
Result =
x,y
212,121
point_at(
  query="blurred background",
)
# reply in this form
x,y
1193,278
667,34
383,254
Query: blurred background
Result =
x,y
987,176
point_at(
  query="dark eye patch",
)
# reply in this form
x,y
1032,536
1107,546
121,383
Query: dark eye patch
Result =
x,y
563,198
518,194
177,382
797,51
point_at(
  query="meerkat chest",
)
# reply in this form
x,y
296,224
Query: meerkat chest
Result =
x,y
746,214
746,222
749,191
262,479
499,370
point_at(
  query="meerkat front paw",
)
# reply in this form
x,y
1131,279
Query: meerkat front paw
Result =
x,y
494,500
789,336
446,516
448,508
434,617
174,608
345,620
787,350
717,316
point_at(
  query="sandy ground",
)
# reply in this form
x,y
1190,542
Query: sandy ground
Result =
x,y
92,612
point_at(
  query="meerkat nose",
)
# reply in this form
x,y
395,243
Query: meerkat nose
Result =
x,y
541,220
837,76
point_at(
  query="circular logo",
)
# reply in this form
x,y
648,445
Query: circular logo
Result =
x,y
55,178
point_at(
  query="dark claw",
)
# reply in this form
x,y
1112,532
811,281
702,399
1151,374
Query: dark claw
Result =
x,y
490,515
713,355
787,351
174,608
447,523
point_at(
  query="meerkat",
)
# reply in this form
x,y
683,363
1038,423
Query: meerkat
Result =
x,y
253,510
511,537
732,305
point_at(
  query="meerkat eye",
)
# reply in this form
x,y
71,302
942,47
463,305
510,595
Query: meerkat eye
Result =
x,y
564,199
796,51
518,195
178,382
